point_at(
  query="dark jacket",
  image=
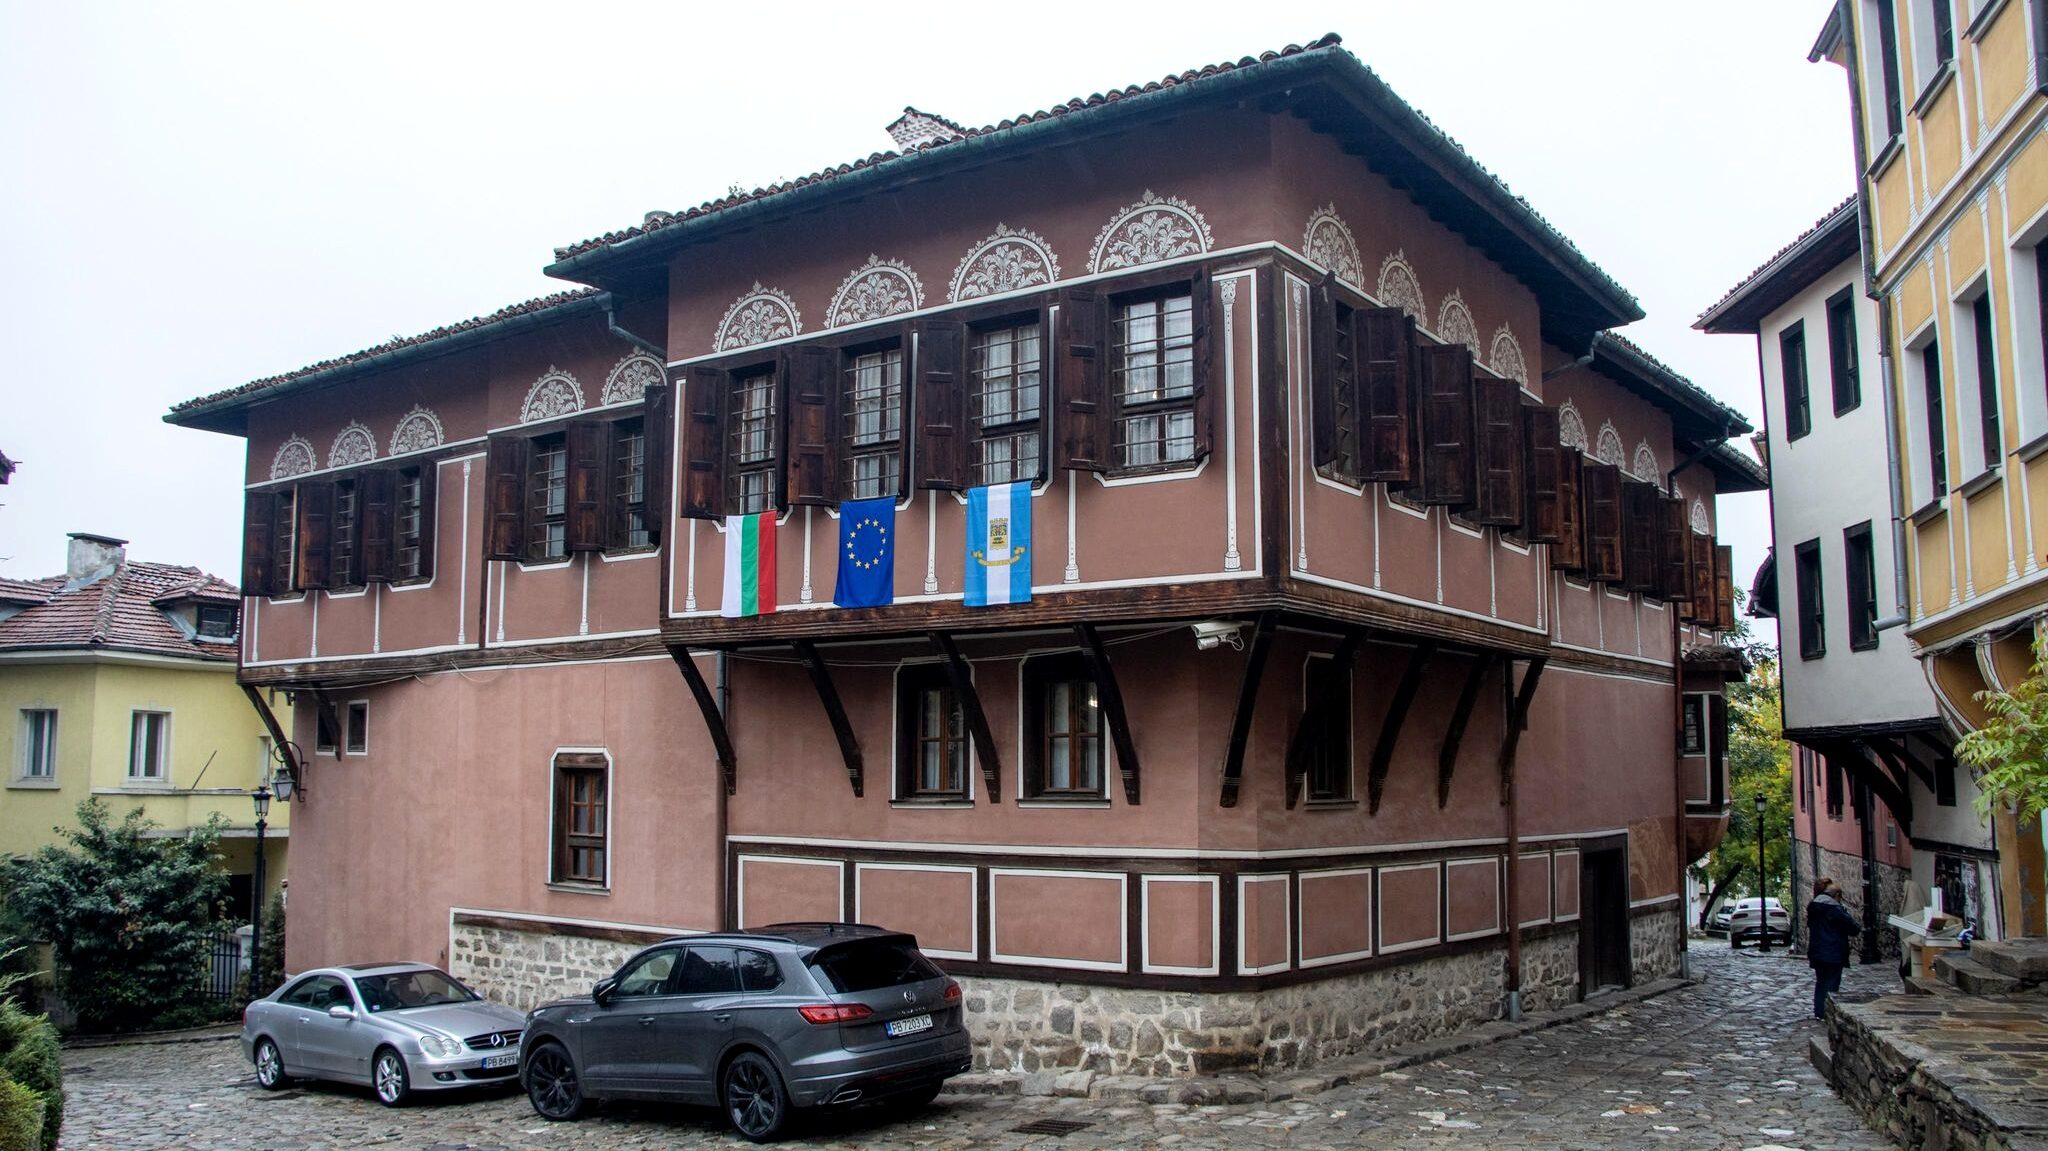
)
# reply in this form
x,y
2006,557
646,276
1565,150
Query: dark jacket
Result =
x,y
1829,928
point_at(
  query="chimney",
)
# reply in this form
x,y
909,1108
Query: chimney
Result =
x,y
90,555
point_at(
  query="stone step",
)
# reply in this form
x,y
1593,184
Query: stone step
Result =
x,y
1974,978
1922,985
2023,959
1822,1057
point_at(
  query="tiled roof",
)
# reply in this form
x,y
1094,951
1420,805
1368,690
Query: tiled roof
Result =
x,y
120,611
1726,416
25,590
1833,217
512,311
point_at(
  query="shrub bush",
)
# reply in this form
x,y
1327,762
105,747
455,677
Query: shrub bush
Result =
x,y
31,1058
21,1117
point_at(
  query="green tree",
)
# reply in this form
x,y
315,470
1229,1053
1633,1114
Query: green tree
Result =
x,y
2011,747
127,915
1759,763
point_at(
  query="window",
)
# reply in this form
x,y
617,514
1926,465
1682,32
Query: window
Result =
x,y
1993,447
581,820
647,974
1692,733
1888,65
1842,365
149,745
1064,738
1834,791
320,993
1792,367
1936,429
326,741
359,727
284,536
872,403
547,499
342,570
1860,562
1944,31
753,450
1805,778
38,743
1007,380
758,971
410,520
1891,834
1813,641
931,735
216,621
1945,783
629,485
1327,689
1152,380
708,970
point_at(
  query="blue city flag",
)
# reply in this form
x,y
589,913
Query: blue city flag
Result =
x,y
998,544
867,553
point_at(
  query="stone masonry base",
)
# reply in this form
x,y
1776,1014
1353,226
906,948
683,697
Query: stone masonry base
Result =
x,y
1847,870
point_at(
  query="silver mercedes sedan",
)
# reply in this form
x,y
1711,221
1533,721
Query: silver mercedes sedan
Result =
x,y
394,1027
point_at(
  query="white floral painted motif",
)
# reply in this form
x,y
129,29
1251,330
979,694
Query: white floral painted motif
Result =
x,y
294,458
875,289
355,445
1153,229
1646,468
1454,323
556,393
631,377
1700,523
1328,242
1009,259
1571,427
1506,356
758,316
1400,288
1609,446
417,431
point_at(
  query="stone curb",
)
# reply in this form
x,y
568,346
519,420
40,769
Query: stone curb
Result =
x,y
1240,1089
154,1038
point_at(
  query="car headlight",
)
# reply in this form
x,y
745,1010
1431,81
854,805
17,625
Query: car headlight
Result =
x,y
441,1046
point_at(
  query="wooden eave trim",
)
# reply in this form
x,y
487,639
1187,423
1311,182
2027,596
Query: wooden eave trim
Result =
x,y
1247,702
714,720
835,713
1518,721
280,740
1454,734
1396,719
1112,700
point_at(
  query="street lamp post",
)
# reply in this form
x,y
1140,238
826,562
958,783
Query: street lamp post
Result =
x,y
1763,916
261,797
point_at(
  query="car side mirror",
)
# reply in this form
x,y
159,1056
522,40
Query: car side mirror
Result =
x,y
602,993
339,1011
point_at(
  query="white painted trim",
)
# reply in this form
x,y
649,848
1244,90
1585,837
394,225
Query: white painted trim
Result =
x,y
610,806
1123,852
838,867
1372,896
1244,884
1500,886
1653,901
1549,887
1145,964
973,902
566,920
348,708
1123,902
1557,865
1379,908
382,461
1395,597
136,658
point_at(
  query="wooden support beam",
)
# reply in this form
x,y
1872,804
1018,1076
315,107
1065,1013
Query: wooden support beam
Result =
x,y
1518,719
1454,735
1915,765
1852,758
714,720
324,712
1247,701
281,743
962,679
1305,728
835,711
1397,716
1111,700
1894,767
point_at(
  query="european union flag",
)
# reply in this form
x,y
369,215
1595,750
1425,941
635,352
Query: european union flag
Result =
x,y
867,553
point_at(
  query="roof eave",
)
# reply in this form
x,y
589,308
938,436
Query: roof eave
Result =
x,y
1734,472
1741,312
1705,417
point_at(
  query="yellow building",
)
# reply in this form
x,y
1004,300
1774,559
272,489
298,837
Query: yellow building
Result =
x,y
117,681
1946,97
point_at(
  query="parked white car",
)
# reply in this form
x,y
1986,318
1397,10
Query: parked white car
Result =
x,y
1743,922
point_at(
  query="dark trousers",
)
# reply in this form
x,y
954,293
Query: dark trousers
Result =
x,y
1827,979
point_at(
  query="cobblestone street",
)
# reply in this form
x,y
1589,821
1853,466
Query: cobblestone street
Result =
x,y
1718,1065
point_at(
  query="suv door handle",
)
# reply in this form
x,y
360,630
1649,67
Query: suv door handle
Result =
x,y
726,1017
647,1021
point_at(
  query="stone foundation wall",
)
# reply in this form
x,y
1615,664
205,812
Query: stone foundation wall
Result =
x,y
524,969
1653,944
1847,870
1550,971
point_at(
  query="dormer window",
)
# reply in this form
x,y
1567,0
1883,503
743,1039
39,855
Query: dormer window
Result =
x,y
216,622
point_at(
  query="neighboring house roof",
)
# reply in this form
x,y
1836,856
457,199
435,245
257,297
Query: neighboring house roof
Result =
x,y
24,591
1833,238
1735,470
1696,416
121,610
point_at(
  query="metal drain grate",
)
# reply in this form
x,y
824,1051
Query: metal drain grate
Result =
x,y
1051,1127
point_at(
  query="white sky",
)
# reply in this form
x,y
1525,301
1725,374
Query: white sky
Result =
x,y
192,197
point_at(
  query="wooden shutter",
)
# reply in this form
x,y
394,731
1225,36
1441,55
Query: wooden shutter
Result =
x,y
1383,341
1641,531
1702,548
1724,587
1322,372
941,405
259,523
812,467
315,507
1674,583
1541,452
430,486
585,447
1078,382
505,463
703,478
1601,485
1497,434
1206,352
1569,553
658,426
374,519
1447,455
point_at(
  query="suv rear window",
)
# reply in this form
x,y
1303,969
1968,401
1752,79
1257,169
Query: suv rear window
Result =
x,y
871,964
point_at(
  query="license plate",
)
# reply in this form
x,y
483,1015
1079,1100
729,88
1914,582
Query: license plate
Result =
x,y
910,1026
494,1061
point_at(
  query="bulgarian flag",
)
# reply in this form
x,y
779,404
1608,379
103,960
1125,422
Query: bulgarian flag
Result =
x,y
749,565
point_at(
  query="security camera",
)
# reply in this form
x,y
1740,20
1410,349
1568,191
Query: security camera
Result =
x,y
1210,633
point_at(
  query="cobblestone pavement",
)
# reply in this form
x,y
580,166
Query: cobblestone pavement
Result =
x,y
1718,1065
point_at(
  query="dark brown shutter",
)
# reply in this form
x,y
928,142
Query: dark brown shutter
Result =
x,y
1724,587
1207,351
1569,553
1673,582
658,425
315,504
941,405
1322,372
374,494
1447,425
585,447
1702,577
1541,451
1641,530
813,426
1602,489
430,486
505,462
703,478
259,522
1384,342
1497,433
1078,383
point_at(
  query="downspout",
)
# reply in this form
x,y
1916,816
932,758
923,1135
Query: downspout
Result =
x,y
1514,849
611,324
1592,349
727,910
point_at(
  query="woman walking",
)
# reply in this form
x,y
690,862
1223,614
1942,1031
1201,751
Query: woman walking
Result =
x,y
1829,928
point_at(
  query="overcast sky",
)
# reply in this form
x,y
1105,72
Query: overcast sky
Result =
x,y
193,196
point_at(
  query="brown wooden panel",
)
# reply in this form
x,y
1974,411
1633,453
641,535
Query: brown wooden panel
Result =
x,y
375,491
811,472
586,446
1447,455
315,509
1386,347
658,425
1601,487
1702,549
941,405
1569,553
1497,435
1641,535
505,459
1724,587
1540,518
259,525
1206,351
1674,577
1078,381
703,478
1323,386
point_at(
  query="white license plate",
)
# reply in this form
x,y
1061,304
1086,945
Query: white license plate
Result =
x,y
910,1026
495,1061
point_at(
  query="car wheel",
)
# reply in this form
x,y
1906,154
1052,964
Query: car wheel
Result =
x,y
388,1075
754,1098
269,1066
551,1084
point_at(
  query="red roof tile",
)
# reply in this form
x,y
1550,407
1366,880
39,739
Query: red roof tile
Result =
x,y
1833,214
121,611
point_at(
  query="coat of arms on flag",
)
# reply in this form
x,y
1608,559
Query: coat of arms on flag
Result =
x,y
867,553
749,565
998,567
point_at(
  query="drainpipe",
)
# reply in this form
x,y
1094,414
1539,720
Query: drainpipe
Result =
x,y
611,324
1514,848
1592,347
721,690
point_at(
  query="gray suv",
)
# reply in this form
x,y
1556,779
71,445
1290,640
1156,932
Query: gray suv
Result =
x,y
762,1023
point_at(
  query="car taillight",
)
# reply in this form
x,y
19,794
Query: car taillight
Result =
x,y
952,992
834,1012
